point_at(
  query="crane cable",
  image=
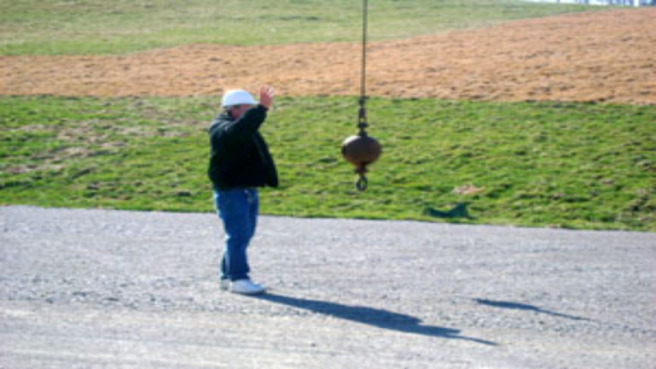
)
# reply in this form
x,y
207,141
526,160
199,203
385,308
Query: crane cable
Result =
x,y
362,115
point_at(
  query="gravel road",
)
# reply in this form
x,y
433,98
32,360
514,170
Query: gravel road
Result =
x,y
117,289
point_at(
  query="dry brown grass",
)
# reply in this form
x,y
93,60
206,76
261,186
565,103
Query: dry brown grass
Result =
x,y
603,57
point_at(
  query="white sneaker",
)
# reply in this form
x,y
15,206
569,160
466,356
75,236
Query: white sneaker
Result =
x,y
224,284
246,287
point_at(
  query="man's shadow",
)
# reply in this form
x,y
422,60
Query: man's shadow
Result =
x,y
375,317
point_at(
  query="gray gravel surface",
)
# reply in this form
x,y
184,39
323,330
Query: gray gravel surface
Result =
x,y
115,289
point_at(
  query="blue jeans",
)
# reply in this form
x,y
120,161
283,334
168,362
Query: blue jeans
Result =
x,y
238,208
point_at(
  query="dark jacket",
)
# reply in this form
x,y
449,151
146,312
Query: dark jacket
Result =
x,y
239,156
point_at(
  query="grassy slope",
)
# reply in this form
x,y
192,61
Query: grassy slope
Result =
x,y
121,26
568,165
586,166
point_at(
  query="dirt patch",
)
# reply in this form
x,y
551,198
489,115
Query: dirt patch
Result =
x,y
601,56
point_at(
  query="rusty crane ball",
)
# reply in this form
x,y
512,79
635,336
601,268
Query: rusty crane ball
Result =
x,y
361,150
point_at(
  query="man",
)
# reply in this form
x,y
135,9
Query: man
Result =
x,y
240,162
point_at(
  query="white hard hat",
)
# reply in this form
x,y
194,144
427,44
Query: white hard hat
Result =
x,y
237,97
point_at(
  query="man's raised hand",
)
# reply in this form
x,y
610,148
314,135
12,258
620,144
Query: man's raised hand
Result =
x,y
266,96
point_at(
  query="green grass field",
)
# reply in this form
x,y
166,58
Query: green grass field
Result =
x,y
531,164
122,26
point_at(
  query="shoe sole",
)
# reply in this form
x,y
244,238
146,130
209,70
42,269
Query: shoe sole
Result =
x,y
254,293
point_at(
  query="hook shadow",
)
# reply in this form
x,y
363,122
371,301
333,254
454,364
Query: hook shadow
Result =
x,y
527,307
458,211
375,317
